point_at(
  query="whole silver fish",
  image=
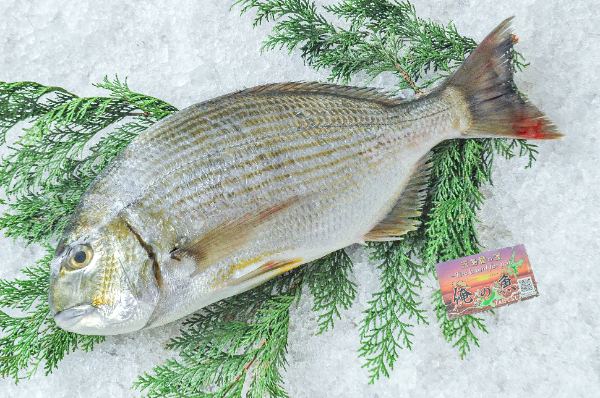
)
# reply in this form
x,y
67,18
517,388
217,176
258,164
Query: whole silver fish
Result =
x,y
231,192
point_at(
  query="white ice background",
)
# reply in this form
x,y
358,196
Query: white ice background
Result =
x,y
189,51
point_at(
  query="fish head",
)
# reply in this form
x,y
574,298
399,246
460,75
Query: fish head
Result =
x,y
102,280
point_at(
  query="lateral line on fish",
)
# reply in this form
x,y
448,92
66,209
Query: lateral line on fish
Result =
x,y
283,177
247,106
221,123
338,183
226,122
214,198
446,109
326,152
257,173
398,120
283,150
222,117
276,134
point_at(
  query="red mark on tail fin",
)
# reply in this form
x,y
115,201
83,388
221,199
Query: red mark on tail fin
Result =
x,y
529,128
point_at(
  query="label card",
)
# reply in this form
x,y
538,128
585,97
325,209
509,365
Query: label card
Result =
x,y
486,281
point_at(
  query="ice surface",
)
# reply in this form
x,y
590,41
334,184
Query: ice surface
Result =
x,y
188,51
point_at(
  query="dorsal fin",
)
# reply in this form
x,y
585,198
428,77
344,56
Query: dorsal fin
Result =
x,y
364,93
401,218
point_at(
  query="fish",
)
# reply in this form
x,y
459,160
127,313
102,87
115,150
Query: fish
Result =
x,y
226,194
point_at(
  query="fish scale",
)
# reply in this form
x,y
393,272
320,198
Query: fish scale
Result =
x,y
348,127
199,128
174,194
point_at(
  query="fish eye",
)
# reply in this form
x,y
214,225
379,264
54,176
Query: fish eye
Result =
x,y
80,256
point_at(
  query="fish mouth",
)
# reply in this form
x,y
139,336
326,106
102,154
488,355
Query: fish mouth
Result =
x,y
69,318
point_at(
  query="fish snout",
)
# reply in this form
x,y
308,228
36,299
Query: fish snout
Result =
x,y
70,318
66,293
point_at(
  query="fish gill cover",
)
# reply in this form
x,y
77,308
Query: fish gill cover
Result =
x,y
241,341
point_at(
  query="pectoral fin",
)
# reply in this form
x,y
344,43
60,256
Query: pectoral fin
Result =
x,y
401,219
226,238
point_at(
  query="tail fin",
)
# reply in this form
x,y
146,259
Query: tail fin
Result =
x,y
486,81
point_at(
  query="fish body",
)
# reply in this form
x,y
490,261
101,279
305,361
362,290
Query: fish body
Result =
x,y
231,192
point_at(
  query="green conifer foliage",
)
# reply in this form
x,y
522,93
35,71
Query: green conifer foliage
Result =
x,y
239,344
329,284
383,330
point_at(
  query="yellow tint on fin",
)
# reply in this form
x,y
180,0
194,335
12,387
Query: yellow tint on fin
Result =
x,y
401,219
273,268
226,238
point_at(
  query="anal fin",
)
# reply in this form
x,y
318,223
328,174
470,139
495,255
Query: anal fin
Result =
x,y
401,219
